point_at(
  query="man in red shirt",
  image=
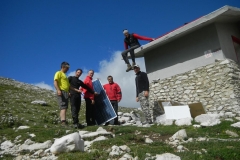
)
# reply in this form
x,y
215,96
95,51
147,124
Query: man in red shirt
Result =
x,y
89,99
131,40
114,94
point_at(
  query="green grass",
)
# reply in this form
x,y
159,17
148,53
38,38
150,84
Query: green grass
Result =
x,y
16,110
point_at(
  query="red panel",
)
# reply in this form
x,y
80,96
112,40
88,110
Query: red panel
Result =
x,y
236,40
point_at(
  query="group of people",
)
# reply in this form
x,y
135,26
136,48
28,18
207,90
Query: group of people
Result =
x,y
72,87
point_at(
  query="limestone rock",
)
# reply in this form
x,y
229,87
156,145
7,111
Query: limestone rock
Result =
x,y
115,151
237,125
125,148
184,121
163,121
23,127
225,62
124,119
68,143
91,134
208,119
43,103
180,135
101,138
28,142
167,156
126,157
35,146
232,134
148,140
6,145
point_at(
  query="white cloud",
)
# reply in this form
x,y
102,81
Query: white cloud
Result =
x,y
116,67
43,85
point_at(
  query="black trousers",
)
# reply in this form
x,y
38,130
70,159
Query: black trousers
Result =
x,y
90,112
75,101
115,107
131,50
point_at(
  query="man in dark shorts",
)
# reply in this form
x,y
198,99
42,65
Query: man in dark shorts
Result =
x,y
62,86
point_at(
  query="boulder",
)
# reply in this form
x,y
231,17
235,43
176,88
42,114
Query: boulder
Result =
x,y
68,143
167,156
208,119
35,146
43,103
184,121
180,135
237,125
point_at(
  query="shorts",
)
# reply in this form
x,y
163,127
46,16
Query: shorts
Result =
x,y
63,100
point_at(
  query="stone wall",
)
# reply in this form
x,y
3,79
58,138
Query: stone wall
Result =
x,y
216,86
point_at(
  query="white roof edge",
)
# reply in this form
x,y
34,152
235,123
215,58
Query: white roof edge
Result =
x,y
232,8
185,28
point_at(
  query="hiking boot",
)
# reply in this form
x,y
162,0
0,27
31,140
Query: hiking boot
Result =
x,y
147,122
129,67
144,122
106,124
64,124
150,122
78,126
133,64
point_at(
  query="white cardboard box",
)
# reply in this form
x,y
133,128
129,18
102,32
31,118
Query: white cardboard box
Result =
x,y
177,112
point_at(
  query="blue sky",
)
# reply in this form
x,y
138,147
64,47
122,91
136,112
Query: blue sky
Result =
x,y
36,36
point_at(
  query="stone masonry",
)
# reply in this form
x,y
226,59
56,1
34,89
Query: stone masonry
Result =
x,y
216,86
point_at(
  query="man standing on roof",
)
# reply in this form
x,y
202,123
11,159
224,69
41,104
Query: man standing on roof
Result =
x,y
131,40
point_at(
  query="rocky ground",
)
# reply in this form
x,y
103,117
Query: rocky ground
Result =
x,y
30,130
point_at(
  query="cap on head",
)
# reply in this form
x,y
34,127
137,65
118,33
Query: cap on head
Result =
x,y
125,31
136,66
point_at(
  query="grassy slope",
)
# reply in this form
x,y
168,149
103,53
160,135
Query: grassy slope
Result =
x,y
16,109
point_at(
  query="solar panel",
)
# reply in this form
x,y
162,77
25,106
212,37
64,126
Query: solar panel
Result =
x,y
104,111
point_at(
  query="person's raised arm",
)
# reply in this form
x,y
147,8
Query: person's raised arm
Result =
x,y
143,38
86,87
